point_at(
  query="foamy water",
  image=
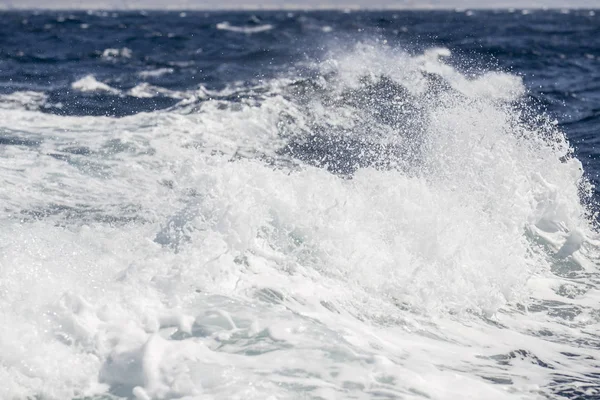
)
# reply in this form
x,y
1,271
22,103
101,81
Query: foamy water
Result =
x,y
387,227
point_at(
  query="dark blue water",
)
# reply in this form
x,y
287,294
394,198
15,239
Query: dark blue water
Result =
x,y
557,54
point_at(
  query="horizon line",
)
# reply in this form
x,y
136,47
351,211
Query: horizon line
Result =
x,y
341,8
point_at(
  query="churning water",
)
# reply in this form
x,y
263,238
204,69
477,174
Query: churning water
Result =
x,y
317,205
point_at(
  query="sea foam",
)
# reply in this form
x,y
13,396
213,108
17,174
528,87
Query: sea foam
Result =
x,y
380,228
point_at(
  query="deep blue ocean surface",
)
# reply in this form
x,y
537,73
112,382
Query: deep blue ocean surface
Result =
x,y
555,52
318,204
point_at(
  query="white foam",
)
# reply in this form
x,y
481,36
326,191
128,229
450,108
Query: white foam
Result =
x,y
159,256
27,99
111,54
145,90
226,26
155,73
89,84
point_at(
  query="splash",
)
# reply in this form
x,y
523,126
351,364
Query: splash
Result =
x,y
385,226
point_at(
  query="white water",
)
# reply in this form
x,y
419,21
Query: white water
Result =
x,y
226,26
156,73
89,83
160,256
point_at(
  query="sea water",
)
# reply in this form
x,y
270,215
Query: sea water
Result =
x,y
299,205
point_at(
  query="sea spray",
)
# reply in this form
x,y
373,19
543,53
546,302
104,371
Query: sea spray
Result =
x,y
385,226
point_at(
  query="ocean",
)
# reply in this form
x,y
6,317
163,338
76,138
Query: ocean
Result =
x,y
300,205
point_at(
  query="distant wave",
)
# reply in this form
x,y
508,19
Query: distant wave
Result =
x,y
89,84
144,90
226,26
155,73
117,53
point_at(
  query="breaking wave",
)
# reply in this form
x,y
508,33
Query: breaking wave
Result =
x,y
381,225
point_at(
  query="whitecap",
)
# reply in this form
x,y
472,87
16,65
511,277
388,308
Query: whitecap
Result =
x,y
117,53
145,90
155,73
89,84
226,26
